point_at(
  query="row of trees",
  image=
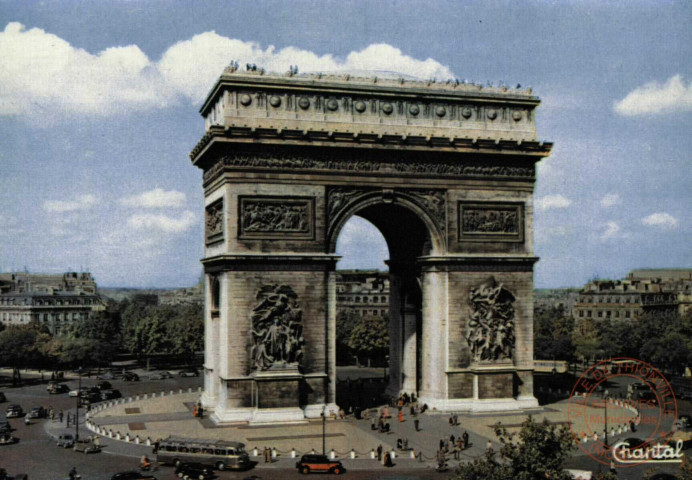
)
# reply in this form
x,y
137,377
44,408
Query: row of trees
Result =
x,y
364,339
662,338
131,326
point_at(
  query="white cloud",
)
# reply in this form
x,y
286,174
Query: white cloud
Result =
x,y
610,199
61,79
661,219
157,198
656,98
612,230
552,201
83,202
164,223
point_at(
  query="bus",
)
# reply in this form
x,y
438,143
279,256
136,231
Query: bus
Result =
x,y
221,454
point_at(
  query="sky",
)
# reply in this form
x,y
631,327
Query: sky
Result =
x,y
99,109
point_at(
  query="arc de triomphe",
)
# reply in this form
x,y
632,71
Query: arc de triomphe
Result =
x,y
445,171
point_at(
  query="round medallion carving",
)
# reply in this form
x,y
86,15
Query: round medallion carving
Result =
x,y
440,111
492,114
245,99
466,112
414,109
387,108
359,106
516,115
304,103
275,101
332,104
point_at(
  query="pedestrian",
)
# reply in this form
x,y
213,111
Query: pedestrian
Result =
x,y
451,439
465,437
442,444
60,415
97,441
267,455
451,420
401,415
73,473
456,419
416,423
372,424
489,447
200,411
632,428
194,411
388,460
379,452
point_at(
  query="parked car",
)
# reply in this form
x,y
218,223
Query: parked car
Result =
x,y
2,397
55,388
319,463
193,471
89,398
14,411
65,441
130,377
103,385
6,438
189,372
107,376
132,475
110,394
37,412
160,376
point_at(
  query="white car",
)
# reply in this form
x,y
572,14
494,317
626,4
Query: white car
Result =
x,y
78,392
160,376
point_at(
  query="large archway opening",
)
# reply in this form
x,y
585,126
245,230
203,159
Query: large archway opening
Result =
x,y
379,303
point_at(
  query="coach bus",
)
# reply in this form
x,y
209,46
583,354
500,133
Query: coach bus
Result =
x,y
221,454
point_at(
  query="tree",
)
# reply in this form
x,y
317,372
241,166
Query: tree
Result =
x,y
100,329
186,331
345,323
19,347
586,341
537,451
370,338
553,334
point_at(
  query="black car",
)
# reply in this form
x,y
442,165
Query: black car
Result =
x,y
189,372
132,475
319,463
130,377
193,471
110,394
104,385
2,397
37,412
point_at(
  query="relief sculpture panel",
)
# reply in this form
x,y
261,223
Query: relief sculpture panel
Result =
x,y
277,329
491,222
490,330
214,222
276,217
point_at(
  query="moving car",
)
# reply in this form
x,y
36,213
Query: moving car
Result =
x,y
319,463
110,394
65,441
37,412
189,372
130,377
193,471
6,438
86,446
160,376
78,392
14,411
103,385
107,376
55,388
132,475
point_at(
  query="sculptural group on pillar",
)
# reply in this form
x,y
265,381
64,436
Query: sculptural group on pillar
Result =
x,y
277,328
491,326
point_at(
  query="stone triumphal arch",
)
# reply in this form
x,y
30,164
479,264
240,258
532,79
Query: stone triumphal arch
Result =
x,y
446,171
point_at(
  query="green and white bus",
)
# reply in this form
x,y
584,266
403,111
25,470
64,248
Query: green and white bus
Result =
x,y
222,454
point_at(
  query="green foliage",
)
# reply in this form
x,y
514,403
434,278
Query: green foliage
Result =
x,y
370,337
345,323
553,335
186,331
537,451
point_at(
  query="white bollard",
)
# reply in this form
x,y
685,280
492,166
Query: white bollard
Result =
x,y
332,454
137,440
255,453
413,454
274,453
372,453
148,442
353,453
293,453
393,454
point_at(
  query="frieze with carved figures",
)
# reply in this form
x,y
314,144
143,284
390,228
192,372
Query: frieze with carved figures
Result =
x,y
214,222
490,330
276,217
491,221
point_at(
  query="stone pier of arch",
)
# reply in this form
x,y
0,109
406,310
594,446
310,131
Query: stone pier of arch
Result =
x,y
446,172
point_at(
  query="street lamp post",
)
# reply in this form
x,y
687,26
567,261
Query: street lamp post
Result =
x,y
79,396
324,426
605,406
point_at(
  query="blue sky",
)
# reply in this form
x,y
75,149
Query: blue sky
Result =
x,y
99,110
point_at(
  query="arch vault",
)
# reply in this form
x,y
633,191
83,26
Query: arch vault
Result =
x,y
445,171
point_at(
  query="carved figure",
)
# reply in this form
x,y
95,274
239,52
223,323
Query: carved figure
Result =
x,y
477,220
490,330
277,328
275,217
214,219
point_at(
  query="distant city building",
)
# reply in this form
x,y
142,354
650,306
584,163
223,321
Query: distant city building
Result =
x,y
365,292
641,291
182,296
52,300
